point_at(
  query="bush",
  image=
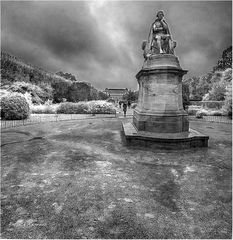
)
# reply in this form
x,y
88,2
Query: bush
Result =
x,y
134,105
14,107
100,107
192,112
110,100
86,107
201,113
212,104
44,108
216,113
38,94
72,108
205,112
227,108
193,109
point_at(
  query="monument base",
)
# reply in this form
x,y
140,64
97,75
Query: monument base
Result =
x,y
161,122
182,140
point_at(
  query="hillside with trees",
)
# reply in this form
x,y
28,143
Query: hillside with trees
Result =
x,y
212,85
18,76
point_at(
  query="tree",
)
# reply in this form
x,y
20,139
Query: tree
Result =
x,y
194,89
220,81
61,90
131,96
226,60
204,84
102,95
218,91
67,76
185,95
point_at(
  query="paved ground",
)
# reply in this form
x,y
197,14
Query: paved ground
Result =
x,y
77,179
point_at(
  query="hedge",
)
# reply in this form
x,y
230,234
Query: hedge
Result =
x,y
14,107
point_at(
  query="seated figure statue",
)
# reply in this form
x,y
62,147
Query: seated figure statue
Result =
x,y
159,40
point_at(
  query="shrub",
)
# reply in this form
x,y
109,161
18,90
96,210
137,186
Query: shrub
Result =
x,y
110,100
212,104
216,113
44,108
205,112
3,93
38,94
192,112
72,108
201,113
100,107
14,107
93,107
227,108
193,109
134,105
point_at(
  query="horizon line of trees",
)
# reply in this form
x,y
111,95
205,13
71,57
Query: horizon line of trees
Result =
x,y
18,76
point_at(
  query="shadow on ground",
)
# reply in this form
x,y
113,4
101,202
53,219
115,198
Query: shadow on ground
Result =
x,y
78,179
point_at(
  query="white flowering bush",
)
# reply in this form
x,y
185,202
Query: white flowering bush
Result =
x,y
100,106
48,107
43,108
28,98
209,112
92,107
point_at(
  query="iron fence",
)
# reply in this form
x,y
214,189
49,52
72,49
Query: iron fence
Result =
x,y
217,119
39,118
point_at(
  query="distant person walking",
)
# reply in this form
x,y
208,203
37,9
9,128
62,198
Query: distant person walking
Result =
x,y
119,104
129,104
124,108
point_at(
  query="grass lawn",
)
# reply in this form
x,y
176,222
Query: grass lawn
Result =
x,y
77,179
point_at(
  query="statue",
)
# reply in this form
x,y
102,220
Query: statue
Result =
x,y
159,40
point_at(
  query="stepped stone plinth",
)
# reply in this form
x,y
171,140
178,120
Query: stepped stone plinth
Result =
x,y
159,118
160,107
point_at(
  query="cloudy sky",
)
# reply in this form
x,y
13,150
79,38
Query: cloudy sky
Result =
x,y
100,41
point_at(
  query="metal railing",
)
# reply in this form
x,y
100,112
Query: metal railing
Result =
x,y
216,119
40,118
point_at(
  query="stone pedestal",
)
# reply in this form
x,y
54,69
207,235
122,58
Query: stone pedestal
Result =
x,y
159,116
160,107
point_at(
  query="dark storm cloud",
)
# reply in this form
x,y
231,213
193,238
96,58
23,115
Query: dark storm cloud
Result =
x,y
62,29
101,41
